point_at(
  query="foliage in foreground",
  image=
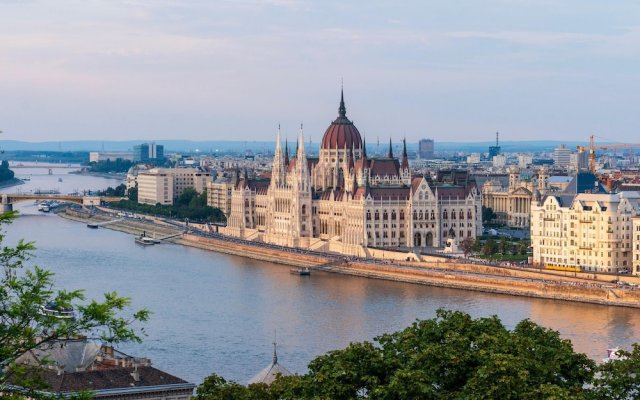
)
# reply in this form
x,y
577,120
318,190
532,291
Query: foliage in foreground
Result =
x,y
452,356
23,325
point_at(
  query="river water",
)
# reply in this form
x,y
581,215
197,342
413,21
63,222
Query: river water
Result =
x,y
218,313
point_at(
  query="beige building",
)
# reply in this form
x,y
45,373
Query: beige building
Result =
x,y
345,201
512,205
594,232
164,185
219,194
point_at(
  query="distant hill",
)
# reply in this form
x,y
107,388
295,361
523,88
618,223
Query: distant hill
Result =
x,y
267,146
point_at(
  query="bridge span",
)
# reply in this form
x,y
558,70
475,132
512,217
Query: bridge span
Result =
x,y
9,198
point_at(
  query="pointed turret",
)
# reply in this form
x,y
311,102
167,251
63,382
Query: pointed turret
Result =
x,y
390,154
301,163
278,167
286,152
342,110
405,159
352,159
364,149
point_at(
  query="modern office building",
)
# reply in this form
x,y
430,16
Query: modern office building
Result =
x,y
425,149
562,156
148,153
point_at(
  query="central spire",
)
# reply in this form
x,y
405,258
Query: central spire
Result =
x,y
342,111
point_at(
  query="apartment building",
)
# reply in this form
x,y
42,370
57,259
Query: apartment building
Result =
x,y
164,185
595,232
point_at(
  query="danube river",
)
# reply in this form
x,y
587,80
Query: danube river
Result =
x,y
218,313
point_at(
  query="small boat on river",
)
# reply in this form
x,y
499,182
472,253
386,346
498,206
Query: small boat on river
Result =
x,y
145,240
300,271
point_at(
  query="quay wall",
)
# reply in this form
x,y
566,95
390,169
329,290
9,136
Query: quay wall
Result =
x,y
447,273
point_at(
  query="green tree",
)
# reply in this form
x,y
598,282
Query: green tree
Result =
x,y
489,247
619,379
503,244
467,245
487,214
132,194
452,356
23,326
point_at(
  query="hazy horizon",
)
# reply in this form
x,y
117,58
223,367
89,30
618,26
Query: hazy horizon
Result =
x,y
213,70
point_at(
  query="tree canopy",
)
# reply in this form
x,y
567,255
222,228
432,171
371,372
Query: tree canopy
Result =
x,y
25,291
452,356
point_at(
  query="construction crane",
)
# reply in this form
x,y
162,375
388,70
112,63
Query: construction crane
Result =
x,y
592,150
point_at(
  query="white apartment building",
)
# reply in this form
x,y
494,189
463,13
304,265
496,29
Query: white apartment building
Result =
x,y
562,156
524,160
164,185
592,231
473,158
499,161
97,156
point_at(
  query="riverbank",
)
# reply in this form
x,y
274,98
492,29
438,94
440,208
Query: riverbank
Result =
x,y
11,182
108,175
434,272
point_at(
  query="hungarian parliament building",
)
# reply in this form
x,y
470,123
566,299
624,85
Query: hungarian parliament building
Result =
x,y
346,201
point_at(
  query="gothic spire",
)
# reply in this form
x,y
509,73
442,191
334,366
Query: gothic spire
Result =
x,y
405,159
342,111
286,152
275,353
364,149
390,154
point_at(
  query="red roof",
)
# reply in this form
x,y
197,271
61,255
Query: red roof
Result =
x,y
340,135
384,166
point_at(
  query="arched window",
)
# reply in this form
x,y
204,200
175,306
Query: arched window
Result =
x,y
415,215
304,209
377,215
385,215
453,214
461,214
368,215
420,216
469,215
393,215
433,215
445,214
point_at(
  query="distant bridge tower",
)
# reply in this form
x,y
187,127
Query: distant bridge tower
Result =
x,y
6,205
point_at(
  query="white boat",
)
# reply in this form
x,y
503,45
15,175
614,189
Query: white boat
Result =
x,y
612,354
145,240
45,208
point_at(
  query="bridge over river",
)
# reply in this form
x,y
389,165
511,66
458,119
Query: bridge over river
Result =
x,y
9,198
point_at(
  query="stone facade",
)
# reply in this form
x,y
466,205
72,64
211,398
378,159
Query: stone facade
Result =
x,y
342,200
512,205
594,232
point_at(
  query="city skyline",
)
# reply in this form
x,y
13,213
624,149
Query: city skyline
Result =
x,y
213,71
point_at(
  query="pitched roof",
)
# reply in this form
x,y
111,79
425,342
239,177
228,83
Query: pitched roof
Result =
x,y
106,379
384,166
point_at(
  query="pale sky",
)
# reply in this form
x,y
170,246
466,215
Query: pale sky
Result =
x,y
211,70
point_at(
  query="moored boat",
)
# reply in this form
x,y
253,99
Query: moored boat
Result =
x,y
145,241
300,271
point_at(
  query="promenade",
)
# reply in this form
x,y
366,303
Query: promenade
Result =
x,y
441,272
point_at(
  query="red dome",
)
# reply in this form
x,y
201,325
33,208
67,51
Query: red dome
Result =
x,y
341,133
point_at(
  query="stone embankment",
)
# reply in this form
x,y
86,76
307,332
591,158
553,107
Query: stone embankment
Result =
x,y
442,273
